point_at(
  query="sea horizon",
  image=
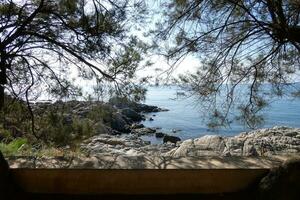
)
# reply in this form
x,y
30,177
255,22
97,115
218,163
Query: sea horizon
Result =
x,y
186,120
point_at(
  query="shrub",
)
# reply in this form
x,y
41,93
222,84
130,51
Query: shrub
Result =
x,y
5,135
102,113
13,147
82,128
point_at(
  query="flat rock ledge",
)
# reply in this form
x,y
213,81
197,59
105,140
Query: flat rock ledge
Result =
x,y
123,145
262,142
263,148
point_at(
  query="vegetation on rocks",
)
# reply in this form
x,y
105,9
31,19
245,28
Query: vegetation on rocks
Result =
x,y
49,46
65,124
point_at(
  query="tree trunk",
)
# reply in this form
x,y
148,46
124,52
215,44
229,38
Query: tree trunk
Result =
x,y
6,184
3,79
1,97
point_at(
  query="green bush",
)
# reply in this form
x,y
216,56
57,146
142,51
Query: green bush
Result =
x,y
102,113
14,147
52,129
55,125
5,135
82,128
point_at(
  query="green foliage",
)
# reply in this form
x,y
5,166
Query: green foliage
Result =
x,y
59,127
181,2
51,127
5,135
58,131
15,110
68,6
55,124
121,101
237,43
216,120
14,147
138,94
83,128
15,120
250,118
101,113
41,41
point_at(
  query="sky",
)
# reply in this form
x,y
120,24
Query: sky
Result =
x,y
188,65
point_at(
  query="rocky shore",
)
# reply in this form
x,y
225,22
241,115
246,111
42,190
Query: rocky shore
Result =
x,y
259,148
262,142
116,141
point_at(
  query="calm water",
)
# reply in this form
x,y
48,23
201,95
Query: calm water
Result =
x,y
186,116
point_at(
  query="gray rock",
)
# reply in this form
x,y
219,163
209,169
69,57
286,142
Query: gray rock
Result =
x,y
137,126
281,182
108,151
117,151
89,163
170,138
129,145
131,114
143,131
121,103
210,142
206,145
118,123
159,134
249,150
183,150
148,108
101,128
262,142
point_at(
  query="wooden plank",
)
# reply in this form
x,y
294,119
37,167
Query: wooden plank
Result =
x,y
89,181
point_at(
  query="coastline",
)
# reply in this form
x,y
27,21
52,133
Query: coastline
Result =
x,y
119,144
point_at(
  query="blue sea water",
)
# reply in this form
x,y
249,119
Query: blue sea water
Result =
x,y
185,114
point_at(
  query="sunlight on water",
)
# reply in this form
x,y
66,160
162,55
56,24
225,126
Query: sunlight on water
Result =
x,y
186,117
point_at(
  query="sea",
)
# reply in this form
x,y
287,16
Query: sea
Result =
x,y
187,120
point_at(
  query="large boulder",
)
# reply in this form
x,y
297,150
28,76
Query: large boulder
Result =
x,y
148,108
119,123
170,138
206,145
113,145
143,131
159,135
101,128
183,150
262,142
210,142
131,114
281,183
